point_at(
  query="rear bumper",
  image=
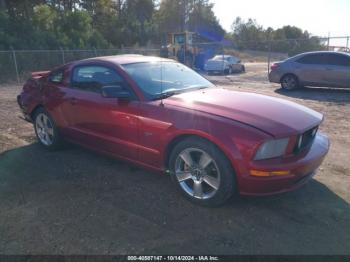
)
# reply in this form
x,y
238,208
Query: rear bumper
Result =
x,y
274,77
23,109
302,169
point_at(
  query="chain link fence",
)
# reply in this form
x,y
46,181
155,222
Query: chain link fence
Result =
x,y
16,65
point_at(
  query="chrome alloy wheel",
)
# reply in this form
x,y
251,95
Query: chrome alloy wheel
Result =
x,y
44,129
197,173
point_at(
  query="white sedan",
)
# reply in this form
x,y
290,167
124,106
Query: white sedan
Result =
x,y
226,64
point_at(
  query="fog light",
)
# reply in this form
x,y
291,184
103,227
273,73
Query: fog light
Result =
x,y
268,174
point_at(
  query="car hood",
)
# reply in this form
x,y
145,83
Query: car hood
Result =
x,y
277,117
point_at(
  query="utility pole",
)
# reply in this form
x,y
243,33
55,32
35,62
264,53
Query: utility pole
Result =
x,y
329,36
185,15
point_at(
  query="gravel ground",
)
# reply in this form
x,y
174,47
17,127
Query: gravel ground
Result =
x,y
74,201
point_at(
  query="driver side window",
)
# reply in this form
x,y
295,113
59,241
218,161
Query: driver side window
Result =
x,y
93,77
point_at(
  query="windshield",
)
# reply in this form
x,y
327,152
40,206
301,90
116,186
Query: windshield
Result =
x,y
220,57
157,78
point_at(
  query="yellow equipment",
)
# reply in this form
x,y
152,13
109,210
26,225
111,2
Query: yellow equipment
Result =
x,y
182,39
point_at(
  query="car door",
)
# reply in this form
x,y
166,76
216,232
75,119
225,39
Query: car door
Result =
x,y
105,124
338,67
312,69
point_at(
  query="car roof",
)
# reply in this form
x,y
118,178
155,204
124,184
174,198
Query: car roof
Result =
x,y
128,59
324,52
293,58
225,56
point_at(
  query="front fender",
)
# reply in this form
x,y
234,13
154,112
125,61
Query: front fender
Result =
x,y
236,140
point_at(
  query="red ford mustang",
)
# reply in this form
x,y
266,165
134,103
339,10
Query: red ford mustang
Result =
x,y
161,115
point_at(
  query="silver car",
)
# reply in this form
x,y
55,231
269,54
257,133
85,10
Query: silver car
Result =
x,y
323,69
226,64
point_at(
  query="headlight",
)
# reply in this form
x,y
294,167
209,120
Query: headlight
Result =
x,y
272,149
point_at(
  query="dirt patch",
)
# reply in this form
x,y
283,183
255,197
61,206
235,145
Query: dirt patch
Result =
x,y
14,132
77,202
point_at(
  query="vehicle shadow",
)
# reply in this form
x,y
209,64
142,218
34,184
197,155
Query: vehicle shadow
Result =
x,y
336,95
77,202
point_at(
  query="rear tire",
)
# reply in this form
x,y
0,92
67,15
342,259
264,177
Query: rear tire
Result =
x,y
201,172
46,130
289,82
243,69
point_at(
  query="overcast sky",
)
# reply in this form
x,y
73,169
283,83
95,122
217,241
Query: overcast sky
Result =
x,y
319,17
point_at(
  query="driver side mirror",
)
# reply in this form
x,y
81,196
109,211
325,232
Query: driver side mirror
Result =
x,y
116,91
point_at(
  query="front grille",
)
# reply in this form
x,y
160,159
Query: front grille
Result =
x,y
305,140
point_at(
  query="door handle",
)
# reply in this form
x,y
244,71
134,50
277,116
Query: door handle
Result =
x,y
73,101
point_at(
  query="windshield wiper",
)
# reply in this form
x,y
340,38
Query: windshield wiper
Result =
x,y
172,93
164,95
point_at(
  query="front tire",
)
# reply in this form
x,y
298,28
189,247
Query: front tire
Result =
x,y
289,82
46,130
201,172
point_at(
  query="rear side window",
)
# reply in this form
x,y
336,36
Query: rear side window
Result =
x,y
56,77
93,78
338,60
313,59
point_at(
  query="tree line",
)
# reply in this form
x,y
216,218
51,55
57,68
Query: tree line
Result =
x,y
79,24
52,24
288,39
